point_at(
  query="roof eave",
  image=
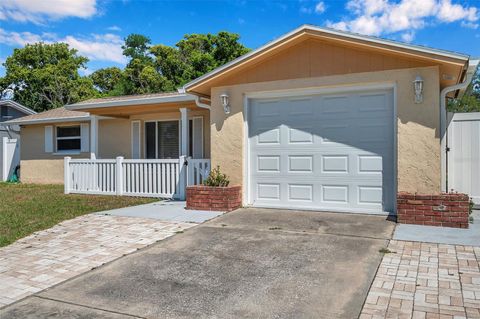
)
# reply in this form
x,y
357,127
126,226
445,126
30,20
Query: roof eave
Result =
x,y
132,102
19,107
49,120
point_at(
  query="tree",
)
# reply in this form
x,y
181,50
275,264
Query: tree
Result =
x,y
45,76
140,75
470,101
195,55
105,80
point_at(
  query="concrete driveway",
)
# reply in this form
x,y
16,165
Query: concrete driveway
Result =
x,y
251,263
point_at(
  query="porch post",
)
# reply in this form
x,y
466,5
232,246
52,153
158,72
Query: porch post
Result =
x,y
184,134
183,152
66,175
93,137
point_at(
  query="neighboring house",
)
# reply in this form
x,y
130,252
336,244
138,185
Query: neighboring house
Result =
x,y
10,110
318,119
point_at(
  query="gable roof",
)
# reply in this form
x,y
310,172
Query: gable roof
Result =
x,y
51,116
17,106
314,31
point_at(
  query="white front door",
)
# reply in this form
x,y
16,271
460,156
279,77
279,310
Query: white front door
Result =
x,y
326,152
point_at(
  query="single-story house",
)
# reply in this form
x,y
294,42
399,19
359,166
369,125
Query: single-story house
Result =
x,y
317,119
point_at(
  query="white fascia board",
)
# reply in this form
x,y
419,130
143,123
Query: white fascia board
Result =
x,y
50,120
350,35
133,101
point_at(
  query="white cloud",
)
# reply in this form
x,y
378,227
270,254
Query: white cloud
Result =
x,y
320,7
114,28
376,17
38,11
408,36
99,47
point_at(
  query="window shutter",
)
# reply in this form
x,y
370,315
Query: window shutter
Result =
x,y
198,137
49,139
85,135
136,139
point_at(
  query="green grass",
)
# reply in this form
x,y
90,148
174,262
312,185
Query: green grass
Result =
x,y
27,208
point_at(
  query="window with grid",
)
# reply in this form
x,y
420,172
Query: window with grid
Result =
x,y
69,138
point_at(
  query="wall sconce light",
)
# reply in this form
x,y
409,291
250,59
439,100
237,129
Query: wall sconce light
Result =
x,y
225,103
418,89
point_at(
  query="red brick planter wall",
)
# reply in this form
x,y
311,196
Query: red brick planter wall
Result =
x,y
448,210
214,198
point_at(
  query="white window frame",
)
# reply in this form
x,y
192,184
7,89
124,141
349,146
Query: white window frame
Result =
x,y
79,137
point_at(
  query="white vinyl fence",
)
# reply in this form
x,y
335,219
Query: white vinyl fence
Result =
x,y
9,157
165,178
464,154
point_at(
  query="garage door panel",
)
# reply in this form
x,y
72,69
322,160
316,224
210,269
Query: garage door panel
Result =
x,y
268,136
300,192
300,135
323,152
300,163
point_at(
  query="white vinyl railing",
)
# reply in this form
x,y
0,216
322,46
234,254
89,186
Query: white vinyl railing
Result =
x,y
166,178
198,170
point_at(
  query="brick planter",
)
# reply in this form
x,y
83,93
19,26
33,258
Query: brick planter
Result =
x,y
214,198
447,210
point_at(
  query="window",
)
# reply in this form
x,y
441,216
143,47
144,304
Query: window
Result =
x,y
69,138
162,139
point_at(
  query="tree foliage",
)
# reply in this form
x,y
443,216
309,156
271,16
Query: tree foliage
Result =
x,y
45,76
470,101
105,80
195,55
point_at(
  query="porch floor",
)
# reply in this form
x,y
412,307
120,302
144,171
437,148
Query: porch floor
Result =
x,y
167,210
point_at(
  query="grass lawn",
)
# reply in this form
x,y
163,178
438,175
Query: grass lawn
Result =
x,y
27,208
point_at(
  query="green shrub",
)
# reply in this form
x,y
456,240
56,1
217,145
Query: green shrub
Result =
x,y
216,179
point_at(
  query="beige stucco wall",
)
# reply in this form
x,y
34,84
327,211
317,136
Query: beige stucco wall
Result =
x,y
418,144
37,166
114,138
42,171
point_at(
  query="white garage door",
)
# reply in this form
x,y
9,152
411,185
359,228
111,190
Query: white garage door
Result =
x,y
326,152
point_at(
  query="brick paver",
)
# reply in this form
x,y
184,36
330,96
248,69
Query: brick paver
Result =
x,y
424,280
72,247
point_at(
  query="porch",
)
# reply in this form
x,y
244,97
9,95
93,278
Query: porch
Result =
x,y
163,178
150,145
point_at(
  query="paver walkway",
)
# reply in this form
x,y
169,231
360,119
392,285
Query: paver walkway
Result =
x,y
72,247
425,280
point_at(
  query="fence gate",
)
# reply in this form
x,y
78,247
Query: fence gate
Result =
x,y
464,155
9,157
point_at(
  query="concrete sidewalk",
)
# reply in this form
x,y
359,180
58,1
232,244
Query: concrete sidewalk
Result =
x,y
170,211
441,235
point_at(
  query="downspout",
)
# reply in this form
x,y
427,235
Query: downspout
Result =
x,y
472,67
200,104
197,98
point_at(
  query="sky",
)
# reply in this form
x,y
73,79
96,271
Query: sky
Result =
x,y
96,28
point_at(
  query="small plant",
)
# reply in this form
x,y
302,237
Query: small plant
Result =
x,y
216,179
386,251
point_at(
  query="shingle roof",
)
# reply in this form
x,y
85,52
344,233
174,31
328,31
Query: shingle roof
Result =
x,y
51,115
